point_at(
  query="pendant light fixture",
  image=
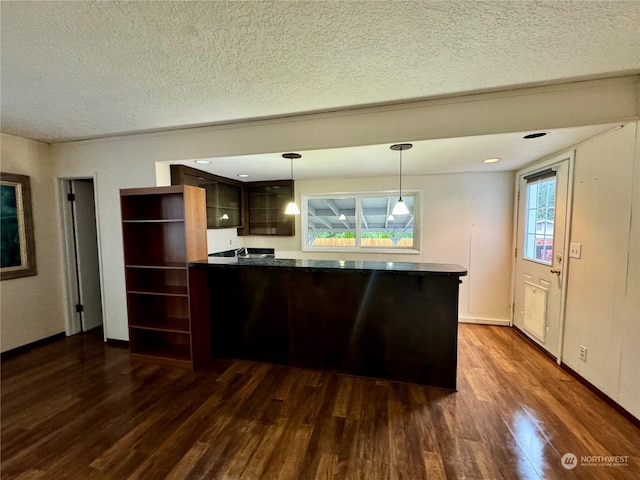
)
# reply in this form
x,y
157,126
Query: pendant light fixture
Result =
x,y
400,207
292,208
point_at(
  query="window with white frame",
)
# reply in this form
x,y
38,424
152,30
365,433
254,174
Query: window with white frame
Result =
x,y
540,218
359,222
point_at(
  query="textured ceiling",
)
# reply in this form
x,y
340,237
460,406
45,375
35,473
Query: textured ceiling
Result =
x,y
72,70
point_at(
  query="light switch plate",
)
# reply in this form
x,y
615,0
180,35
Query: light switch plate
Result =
x,y
575,250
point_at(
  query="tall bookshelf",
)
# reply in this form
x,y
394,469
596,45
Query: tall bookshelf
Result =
x,y
163,229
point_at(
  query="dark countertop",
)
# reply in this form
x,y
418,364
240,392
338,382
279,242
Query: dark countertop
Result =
x,y
331,265
244,252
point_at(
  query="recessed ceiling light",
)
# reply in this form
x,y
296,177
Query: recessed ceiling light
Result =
x,y
491,160
203,162
535,135
243,175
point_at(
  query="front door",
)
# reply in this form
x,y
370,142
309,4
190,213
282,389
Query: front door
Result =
x,y
540,269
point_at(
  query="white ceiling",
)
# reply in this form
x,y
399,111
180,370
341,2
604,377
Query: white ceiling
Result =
x,y
88,69
463,154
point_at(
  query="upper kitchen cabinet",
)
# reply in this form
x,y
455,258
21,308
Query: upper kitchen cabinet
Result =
x,y
266,202
223,195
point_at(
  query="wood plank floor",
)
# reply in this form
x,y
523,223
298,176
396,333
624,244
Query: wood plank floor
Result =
x,y
78,409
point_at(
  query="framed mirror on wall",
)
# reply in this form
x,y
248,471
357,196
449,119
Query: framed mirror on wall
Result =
x,y
17,245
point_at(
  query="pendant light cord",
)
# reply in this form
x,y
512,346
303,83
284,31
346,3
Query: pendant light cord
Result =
x,y
400,175
291,156
401,147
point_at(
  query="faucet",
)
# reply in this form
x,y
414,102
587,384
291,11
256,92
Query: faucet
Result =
x,y
242,252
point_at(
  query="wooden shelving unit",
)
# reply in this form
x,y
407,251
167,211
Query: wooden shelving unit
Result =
x,y
163,229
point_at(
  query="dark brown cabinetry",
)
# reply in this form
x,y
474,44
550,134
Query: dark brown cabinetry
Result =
x,y
266,202
254,208
164,228
223,195
397,322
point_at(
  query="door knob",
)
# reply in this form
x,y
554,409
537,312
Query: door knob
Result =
x,y
557,272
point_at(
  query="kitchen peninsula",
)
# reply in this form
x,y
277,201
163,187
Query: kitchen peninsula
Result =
x,y
390,320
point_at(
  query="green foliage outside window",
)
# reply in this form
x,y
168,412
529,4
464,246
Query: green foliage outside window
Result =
x,y
364,235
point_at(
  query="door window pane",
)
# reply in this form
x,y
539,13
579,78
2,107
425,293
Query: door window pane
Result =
x,y
539,224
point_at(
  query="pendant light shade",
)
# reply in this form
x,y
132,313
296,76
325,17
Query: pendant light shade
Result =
x,y
400,207
292,208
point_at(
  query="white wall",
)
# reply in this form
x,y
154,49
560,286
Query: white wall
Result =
x,y
603,293
114,165
32,307
130,161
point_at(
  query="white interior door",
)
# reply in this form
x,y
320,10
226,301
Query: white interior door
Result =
x,y
543,194
86,246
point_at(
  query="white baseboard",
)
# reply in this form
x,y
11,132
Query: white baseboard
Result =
x,y
485,321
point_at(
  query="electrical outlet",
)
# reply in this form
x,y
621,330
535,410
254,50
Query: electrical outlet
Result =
x,y
583,353
575,250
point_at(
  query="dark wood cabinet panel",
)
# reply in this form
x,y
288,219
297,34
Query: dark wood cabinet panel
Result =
x,y
266,202
224,204
223,195
382,325
250,316
369,322
163,228
322,339
254,208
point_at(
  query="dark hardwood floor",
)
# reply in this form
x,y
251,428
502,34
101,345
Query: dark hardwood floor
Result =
x,y
78,409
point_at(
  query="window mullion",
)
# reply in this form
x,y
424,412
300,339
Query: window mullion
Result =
x,y
358,221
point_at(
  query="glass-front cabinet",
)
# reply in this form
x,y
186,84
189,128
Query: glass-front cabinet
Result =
x,y
223,195
266,202
254,208
224,203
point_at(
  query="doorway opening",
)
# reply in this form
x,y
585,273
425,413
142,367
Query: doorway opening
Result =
x,y
84,287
